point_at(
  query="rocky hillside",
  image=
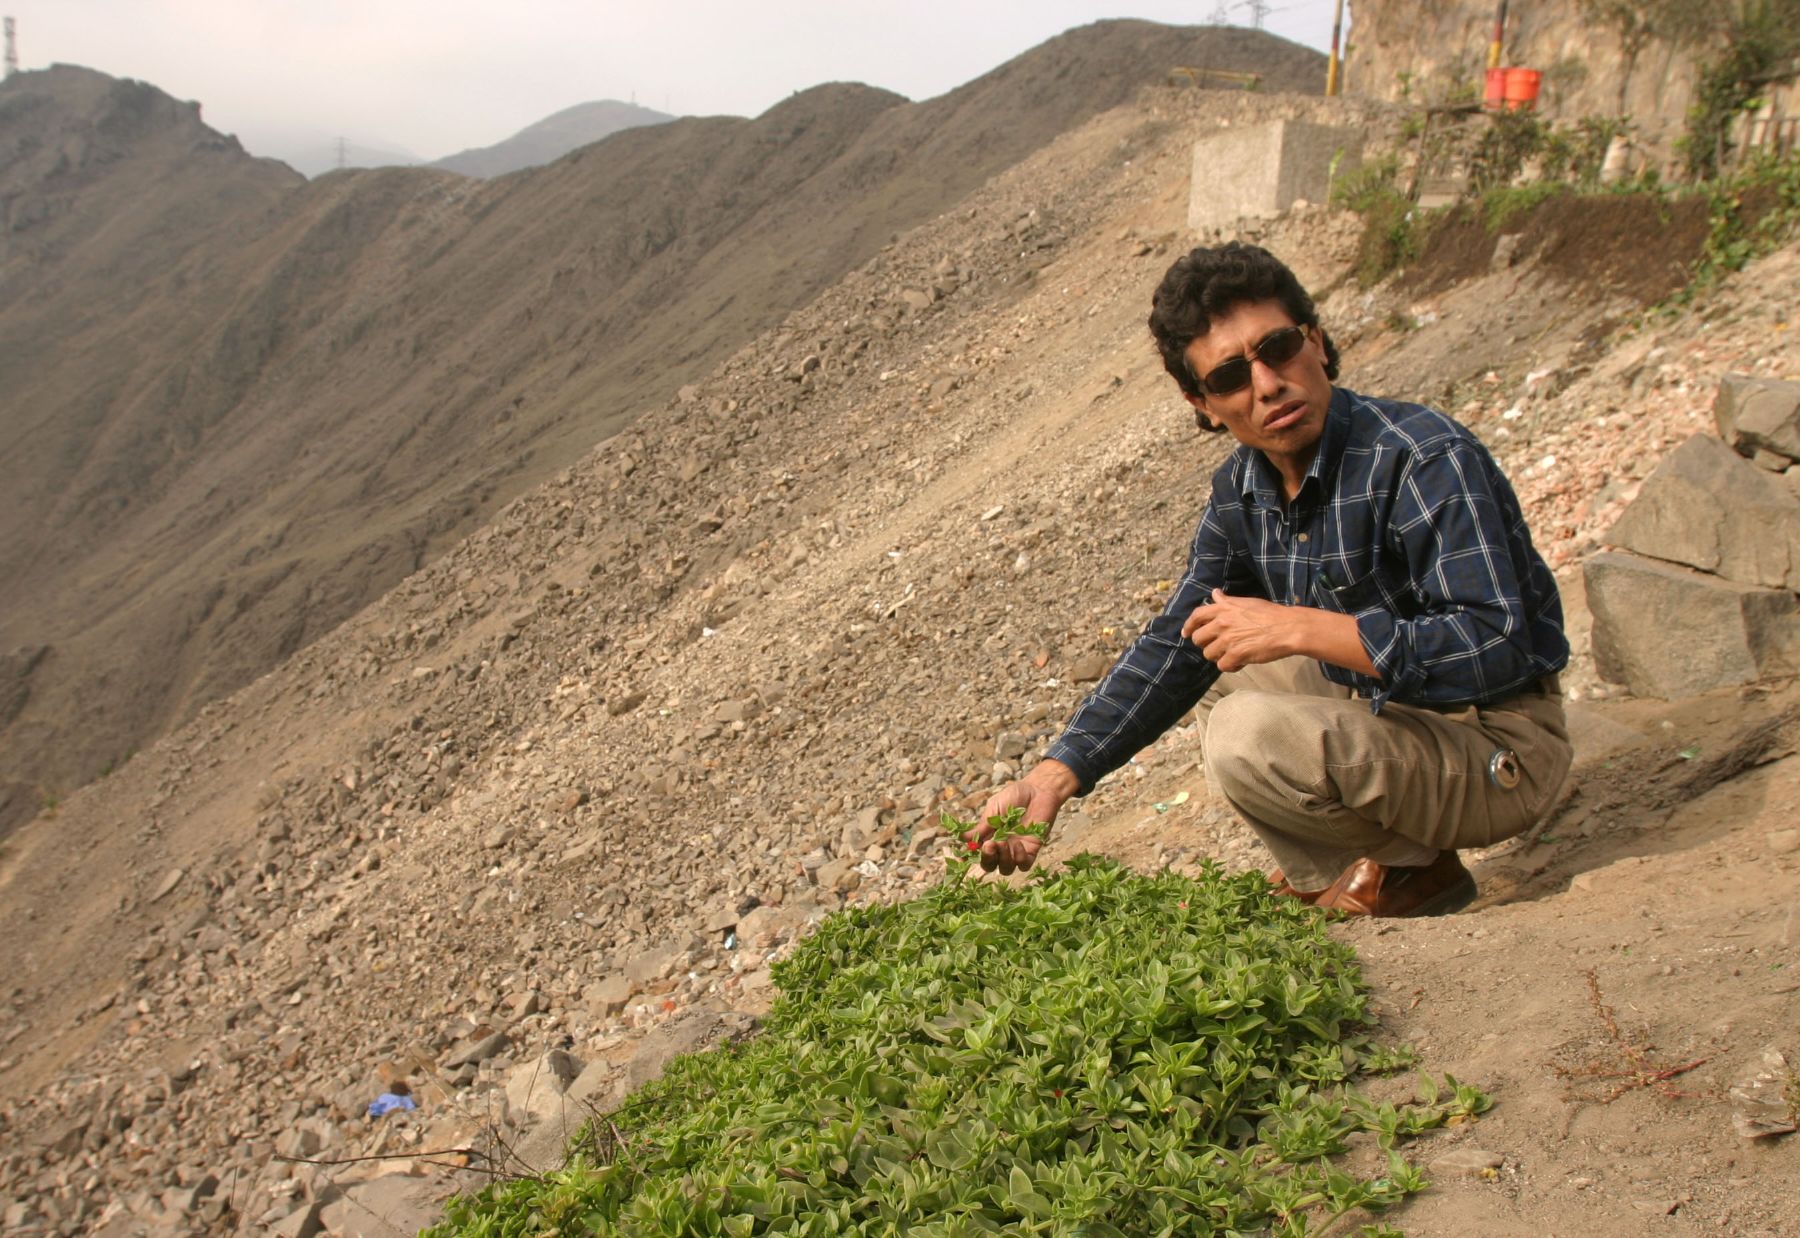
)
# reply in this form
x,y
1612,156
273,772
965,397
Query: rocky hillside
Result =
x,y
551,138
591,768
230,427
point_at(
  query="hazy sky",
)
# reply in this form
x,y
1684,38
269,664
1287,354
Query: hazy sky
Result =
x,y
433,77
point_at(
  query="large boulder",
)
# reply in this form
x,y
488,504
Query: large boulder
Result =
x,y
1759,414
391,1206
1707,507
1666,631
535,1090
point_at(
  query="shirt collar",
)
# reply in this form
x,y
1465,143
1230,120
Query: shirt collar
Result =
x,y
1262,484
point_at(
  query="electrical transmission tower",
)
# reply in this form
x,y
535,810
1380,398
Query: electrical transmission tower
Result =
x,y
1221,14
1259,12
12,48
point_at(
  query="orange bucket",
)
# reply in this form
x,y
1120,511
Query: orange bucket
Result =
x,y
1520,88
1495,95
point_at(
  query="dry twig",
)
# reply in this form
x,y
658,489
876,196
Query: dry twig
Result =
x,y
1633,1067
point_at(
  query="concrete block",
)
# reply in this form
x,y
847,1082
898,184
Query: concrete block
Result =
x,y
1707,507
1759,413
1669,632
1258,171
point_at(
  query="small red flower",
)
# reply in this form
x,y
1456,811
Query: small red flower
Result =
x,y
974,846
1057,1093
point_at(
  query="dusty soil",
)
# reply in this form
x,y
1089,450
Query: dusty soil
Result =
x,y
1588,241
859,572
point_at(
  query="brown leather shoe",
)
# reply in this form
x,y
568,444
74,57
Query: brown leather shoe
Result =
x,y
1370,889
1285,889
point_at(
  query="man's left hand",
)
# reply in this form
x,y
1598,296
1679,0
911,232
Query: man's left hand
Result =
x,y
1236,632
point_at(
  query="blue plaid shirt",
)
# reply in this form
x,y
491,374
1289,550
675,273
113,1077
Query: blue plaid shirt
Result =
x,y
1406,522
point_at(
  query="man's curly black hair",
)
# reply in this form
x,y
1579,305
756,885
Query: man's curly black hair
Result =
x,y
1204,286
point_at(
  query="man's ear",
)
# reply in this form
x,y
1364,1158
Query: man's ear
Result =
x,y
1199,403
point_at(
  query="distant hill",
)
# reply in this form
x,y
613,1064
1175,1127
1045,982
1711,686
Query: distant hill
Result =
x,y
319,159
236,406
552,138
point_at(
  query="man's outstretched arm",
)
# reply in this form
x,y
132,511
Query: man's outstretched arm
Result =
x,y
1042,792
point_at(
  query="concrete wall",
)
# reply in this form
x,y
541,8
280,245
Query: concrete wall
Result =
x,y
1257,171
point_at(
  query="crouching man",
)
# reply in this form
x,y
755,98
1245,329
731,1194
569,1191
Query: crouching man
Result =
x,y
1364,624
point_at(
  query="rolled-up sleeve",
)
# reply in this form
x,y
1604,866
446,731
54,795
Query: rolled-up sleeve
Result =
x,y
1468,636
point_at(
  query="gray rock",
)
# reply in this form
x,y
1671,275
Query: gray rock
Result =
x,y
607,997
1706,507
395,1206
303,1222
306,1138
739,710
624,703
534,1090
839,875
1759,1100
652,965
477,1049
1666,631
693,1031
1754,413
768,926
1466,1163
544,1146
1090,668
859,831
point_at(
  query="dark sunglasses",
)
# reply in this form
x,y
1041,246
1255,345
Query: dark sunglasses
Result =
x,y
1278,347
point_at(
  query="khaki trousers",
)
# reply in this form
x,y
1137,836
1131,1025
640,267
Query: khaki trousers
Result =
x,y
1324,782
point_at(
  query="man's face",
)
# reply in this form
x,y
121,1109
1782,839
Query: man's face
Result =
x,y
1281,411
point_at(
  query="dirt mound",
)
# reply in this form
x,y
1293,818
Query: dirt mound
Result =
x,y
1583,239
239,408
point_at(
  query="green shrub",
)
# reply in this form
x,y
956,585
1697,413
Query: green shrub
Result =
x,y
1391,223
1754,211
1093,1053
1506,204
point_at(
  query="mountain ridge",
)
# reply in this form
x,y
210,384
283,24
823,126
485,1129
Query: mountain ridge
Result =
x,y
375,360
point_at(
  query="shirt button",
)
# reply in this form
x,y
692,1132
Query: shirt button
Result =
x,y
1303,537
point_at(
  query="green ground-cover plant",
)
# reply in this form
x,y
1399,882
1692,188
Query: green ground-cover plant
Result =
x,y
1754,211
1093,1052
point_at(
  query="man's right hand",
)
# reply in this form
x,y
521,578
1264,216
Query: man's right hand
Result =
x,y
1041,793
